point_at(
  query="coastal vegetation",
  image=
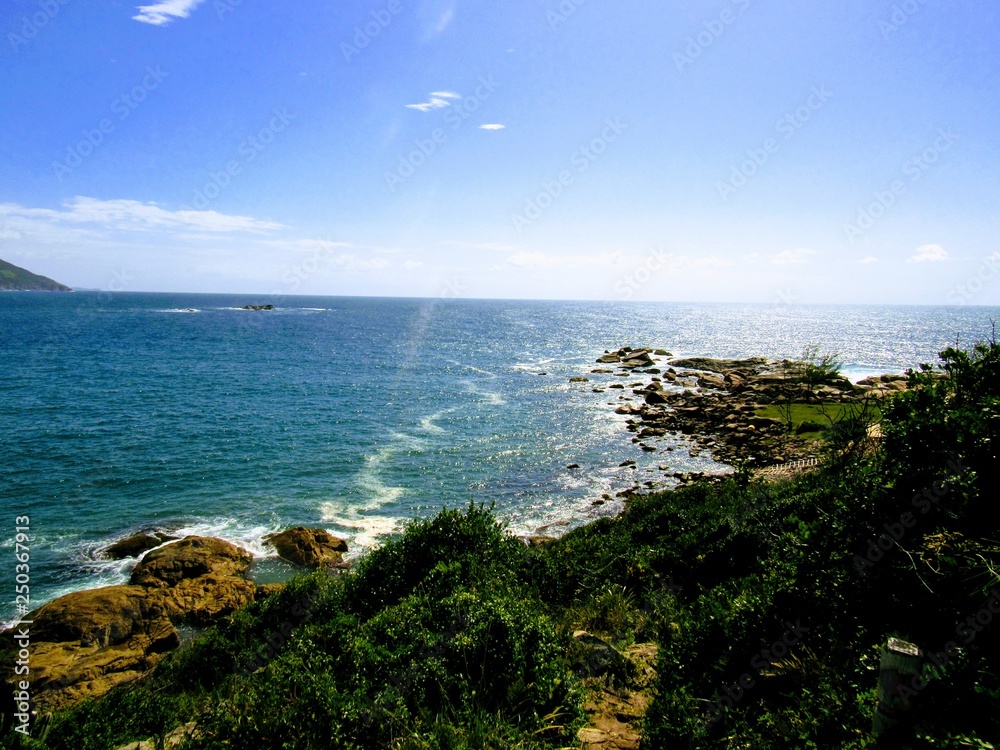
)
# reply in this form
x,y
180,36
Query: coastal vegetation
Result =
x,y
768,603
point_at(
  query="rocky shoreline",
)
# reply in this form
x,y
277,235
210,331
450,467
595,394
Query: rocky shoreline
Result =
x,y
85,643
716,404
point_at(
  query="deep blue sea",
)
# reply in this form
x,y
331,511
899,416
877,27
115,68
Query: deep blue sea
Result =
x,y
184,413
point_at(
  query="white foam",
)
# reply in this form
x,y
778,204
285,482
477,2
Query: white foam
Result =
x,y
427,423
250,538
363,532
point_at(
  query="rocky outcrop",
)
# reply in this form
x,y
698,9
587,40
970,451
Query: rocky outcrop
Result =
x,y
310,548
258,307
715,403
135,545
85,643
198,579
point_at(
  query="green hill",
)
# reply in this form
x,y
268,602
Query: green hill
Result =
x,y
13,278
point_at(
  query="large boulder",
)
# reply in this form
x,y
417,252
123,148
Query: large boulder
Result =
x,y
310,548
85,643
199,579
191,557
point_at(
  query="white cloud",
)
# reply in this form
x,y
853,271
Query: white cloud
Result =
x,y
445,20
438,100
929,254
713,262
869,259
788,257
492,126
411,264
164,12
527,259
130,215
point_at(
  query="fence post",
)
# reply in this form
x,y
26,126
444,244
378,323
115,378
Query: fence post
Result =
x,y
900,662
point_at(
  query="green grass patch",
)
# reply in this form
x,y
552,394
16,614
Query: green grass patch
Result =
x,y
824,414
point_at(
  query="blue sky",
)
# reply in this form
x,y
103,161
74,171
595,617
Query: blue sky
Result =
x,y
779,152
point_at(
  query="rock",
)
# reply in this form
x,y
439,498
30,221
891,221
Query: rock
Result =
x,y
191,557
608,359
601,371
135,545
573,466
723,366
170,741
809,427
579,380
265,590
540,540
199,579
258,307
617,385
310,548
655,397
594,657
85,643
661,353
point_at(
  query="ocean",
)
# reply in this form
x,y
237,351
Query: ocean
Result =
x,y
187,414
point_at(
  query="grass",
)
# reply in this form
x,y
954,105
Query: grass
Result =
x,y
824,414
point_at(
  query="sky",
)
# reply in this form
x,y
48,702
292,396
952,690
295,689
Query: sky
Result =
x,y
778,151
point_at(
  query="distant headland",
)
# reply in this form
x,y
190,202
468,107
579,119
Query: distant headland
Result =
x,y
16,279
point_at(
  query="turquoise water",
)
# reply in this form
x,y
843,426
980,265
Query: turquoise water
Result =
x,y
184,413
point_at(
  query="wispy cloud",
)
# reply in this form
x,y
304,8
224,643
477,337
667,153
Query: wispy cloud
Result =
x,y
529,259
789,257
438,100
930,254
165,12
444,21
869,259
492,126
130,215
